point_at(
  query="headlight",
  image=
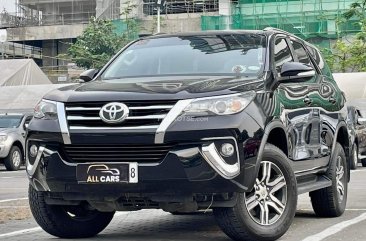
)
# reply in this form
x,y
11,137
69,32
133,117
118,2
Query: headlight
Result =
x,y
46,110
221,105
3,138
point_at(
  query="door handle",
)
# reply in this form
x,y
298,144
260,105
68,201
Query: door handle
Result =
x,y
332,100
308,101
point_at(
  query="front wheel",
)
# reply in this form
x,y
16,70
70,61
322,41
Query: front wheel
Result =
x,y
267,211
14,160
67,221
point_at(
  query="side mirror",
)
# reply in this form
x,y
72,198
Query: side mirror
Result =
x,y
361,121
295,69
89,75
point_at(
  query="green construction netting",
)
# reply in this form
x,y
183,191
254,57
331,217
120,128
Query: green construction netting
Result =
x,y
305,18
120,27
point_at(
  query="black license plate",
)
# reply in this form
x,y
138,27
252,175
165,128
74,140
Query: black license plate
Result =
x,y
107,173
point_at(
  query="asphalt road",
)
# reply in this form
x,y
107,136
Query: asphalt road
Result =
x,y
154,225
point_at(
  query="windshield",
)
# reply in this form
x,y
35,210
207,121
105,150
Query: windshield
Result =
x,y
10,121
232,54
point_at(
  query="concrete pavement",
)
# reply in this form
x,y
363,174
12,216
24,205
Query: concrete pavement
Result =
x,y
156,225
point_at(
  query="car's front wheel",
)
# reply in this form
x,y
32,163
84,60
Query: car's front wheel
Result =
x,y
14,160
67,221
267,211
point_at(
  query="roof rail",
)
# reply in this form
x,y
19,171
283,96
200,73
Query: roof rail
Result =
x,y
275,29
281,31
145,35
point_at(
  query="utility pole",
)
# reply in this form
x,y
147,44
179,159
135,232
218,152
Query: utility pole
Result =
x,y
158,20
160,5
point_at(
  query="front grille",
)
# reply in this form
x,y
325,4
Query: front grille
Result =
x,y
143,114
117,153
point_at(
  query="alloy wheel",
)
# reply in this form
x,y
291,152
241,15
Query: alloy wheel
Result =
x,y
267,202
16,158
340,178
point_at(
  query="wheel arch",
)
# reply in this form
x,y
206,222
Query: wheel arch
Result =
x,y
274,129
343,138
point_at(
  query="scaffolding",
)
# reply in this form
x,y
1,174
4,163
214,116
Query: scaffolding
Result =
x,y
309,19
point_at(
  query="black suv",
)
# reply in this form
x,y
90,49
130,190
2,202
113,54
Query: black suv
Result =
x,y
240,122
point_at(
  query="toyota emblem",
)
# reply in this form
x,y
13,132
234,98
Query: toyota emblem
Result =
x,y
114,113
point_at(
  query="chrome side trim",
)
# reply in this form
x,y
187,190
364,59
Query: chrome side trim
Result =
x,y
169,119
214,159
63,122
113,128
31,169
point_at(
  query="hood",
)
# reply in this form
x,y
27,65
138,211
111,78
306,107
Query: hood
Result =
x,y
155,88
7,130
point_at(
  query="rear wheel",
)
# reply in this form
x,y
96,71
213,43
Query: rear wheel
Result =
x,y
331,201
354,162
267,211
14,160
363,162
67,221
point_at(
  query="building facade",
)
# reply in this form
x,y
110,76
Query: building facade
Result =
x,y
44,29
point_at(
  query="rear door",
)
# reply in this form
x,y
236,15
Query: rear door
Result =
x,y
331,103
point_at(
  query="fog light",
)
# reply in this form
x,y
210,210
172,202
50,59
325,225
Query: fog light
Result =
x,y
33,151
227,149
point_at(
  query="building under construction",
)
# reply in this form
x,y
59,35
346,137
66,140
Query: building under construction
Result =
x,y
43,29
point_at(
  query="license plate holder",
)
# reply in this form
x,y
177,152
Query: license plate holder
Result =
x,y
106,173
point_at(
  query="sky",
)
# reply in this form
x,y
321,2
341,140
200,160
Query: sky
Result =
x,y
9,5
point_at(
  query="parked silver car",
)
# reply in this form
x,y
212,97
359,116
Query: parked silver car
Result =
x,y
12,139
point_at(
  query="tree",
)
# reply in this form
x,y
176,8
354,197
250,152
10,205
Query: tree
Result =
x,y
99,42
350,56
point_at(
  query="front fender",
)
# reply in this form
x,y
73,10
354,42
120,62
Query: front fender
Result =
x,y
250,177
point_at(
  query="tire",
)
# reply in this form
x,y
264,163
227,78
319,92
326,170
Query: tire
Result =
x,y
363,162
14,160
57,221
244,222
331,201
354,162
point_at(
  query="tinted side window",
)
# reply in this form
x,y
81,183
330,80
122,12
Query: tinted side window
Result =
x,y
301,53
282,54
320,62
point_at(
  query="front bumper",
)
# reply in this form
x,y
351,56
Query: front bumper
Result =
x,y
4,150
187,169
194,166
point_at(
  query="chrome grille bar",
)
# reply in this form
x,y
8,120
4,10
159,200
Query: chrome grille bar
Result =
x,y
146,117
113,128
153,107
143,115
